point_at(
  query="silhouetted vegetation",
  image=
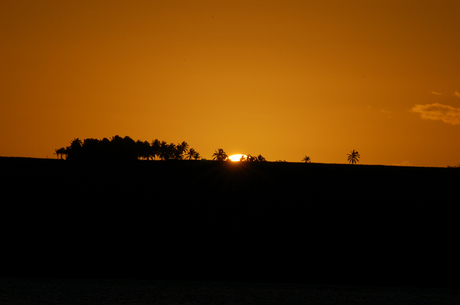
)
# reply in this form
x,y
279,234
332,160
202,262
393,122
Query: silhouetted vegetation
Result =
x,y
220,155
125,149
353,157
306,159
192,153
249,158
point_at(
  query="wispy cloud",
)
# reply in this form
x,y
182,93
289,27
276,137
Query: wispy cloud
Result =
x,y
457,94
435,93
436,111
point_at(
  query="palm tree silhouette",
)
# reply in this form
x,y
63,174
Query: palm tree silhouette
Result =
x,y
181,150
353,157
191,154
261,158
306,159
196,155
219,155
143,149
169,151
163,150
249,158
155,149
60,152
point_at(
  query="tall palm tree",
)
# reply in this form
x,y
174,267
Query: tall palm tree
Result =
x,y
167,151
163,150
219,155
155,149
353,157
306,159
181,150
190,154
196,155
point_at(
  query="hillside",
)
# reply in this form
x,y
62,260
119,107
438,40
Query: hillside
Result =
x,y
208,220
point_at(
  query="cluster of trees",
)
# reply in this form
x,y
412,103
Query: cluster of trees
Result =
x,y
249,158
118,148
221,155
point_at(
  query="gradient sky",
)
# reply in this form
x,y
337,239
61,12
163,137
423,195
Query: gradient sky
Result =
x,y
283,79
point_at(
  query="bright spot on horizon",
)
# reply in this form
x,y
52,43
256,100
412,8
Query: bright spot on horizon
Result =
x,y
236,157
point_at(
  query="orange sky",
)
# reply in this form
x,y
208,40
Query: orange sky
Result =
x,y
283,79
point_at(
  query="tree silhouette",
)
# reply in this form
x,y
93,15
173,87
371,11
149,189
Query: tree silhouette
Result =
x,y
92,150
76,144
353,157
74,151
124,149
306,159
181,150
105,148
219,155
250,158
163,150
171,151
192,153
60,152
196,156
143,149
155,149
261,158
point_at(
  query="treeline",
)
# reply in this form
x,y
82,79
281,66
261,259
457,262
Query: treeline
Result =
x,y
125,149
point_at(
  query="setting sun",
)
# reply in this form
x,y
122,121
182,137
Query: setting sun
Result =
x,y
236,157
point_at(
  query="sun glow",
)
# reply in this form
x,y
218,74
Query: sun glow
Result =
x,y
236,157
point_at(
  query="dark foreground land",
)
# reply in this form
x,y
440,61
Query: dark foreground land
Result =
x,y
233,222
67,291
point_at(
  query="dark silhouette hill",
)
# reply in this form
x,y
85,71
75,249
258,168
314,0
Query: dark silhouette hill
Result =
x,y
211,220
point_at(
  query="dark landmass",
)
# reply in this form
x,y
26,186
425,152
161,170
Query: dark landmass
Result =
x,y
223,221
74,291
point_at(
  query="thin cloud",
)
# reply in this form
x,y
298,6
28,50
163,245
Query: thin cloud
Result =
x,y
435,93
457,94
436,111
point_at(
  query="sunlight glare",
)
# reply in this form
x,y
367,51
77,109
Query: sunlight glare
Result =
x,y
236,157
